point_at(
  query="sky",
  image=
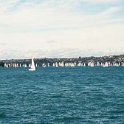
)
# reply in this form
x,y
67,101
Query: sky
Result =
x,y
61,28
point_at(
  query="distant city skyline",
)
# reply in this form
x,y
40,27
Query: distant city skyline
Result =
x,y
61,28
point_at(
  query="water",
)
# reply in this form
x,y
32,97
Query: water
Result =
x,y
62,96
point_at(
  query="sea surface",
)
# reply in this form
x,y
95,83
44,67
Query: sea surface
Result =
x,y
79,95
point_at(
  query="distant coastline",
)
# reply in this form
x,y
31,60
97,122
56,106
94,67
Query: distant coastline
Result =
x,y
104,61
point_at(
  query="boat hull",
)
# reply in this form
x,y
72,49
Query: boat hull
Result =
x,y
32,69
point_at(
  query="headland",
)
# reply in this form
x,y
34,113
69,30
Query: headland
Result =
x,y
104,61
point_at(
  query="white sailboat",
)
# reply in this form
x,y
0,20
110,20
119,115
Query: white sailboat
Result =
x,y
33,68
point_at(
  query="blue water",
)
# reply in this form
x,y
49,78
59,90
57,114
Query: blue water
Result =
x,y
62,95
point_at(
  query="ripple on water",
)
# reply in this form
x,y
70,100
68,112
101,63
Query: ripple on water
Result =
x,y
62,96
2,115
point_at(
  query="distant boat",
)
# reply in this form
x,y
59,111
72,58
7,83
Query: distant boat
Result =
x,y
33,68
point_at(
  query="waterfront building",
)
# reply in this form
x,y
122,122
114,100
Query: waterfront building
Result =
x,y
98,64
61,64
29,65
6,65
56,64
106,64
25,65
79,64
116,64
48,64
43,65
84,64
91,64
122,63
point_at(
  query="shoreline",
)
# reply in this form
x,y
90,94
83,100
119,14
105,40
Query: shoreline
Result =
x,y
104,61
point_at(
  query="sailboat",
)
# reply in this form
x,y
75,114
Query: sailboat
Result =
x,y
33,68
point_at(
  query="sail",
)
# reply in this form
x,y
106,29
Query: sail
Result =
x,y
33,68
33,65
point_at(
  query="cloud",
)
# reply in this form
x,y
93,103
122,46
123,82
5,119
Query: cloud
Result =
x,y
102,1
42,29
39,19
67,42
110,11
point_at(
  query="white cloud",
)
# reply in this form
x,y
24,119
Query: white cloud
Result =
x,y
110,11
101,38
29,31
45,18
102,1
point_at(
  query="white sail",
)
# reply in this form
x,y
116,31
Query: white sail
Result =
x,y
33,68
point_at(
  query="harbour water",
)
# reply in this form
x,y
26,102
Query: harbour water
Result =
x,y
62,95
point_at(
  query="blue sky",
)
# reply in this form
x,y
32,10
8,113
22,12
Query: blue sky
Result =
x,y
61,28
